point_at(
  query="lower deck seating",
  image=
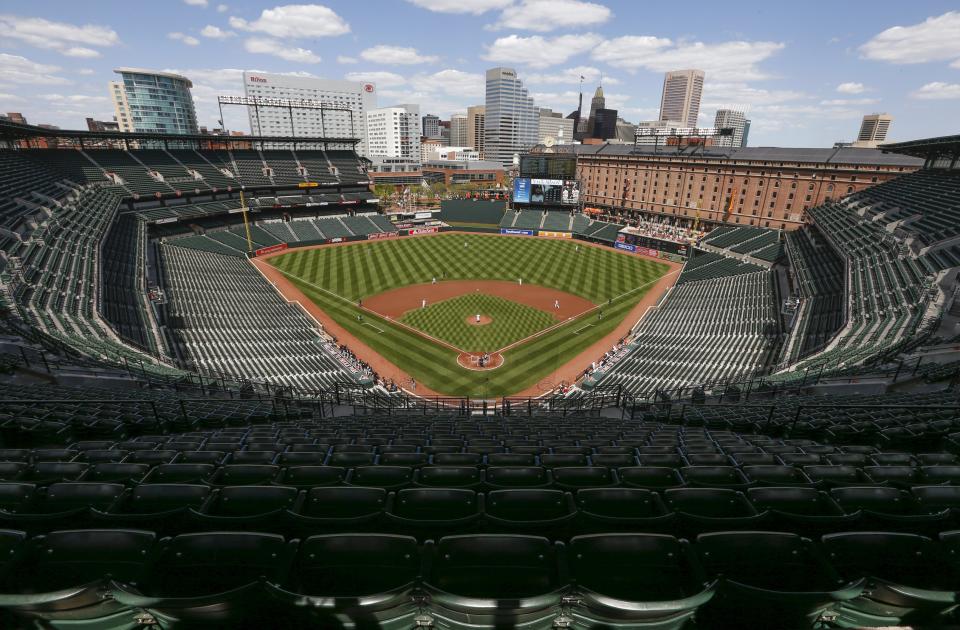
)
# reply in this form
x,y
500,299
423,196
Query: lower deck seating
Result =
x,y
229,320
702,331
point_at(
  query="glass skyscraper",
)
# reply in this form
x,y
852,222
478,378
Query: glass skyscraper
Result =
x,y
153,102
512,121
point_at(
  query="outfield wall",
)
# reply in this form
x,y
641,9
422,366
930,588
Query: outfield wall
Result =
x,y
472,211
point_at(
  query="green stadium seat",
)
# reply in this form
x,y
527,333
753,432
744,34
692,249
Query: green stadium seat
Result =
x,y
636,581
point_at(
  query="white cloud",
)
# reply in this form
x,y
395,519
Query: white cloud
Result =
x,y
10,97
451,82
75,99
934,39
571,75
738,95
381,79
727,61
60,36
17,69
196,3
80,51
851,87
189,40
629,51
547,15
396,55
215,32
538,51
475,7
344,59
85,71
267,46
449,90
222,8
298,21
843,102
938,90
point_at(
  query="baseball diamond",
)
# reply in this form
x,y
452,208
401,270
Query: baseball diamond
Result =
x,y
447,320
343,280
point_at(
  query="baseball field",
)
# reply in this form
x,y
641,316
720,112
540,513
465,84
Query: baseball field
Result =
x,y
423,303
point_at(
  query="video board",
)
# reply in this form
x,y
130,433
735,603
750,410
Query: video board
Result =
x,y
546,192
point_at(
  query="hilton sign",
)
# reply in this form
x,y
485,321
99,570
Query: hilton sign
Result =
x,y
254,79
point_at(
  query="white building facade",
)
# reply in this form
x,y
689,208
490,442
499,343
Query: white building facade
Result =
x,y
553,125
393,132
733,119
344,115
511,120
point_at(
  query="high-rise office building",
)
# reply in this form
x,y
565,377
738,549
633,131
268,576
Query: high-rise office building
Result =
x,y
873,130
458,130
604,124
431,126
553,125
344,115
476,116
511,124
153,102
394,132
597,102
680,101
746,132
732,119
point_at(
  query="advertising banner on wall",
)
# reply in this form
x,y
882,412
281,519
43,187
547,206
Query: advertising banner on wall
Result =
x,y
516,232
272,248
625,247
376,236
549,234
422,230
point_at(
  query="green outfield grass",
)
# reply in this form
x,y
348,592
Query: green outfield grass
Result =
x,y
336,277
446,320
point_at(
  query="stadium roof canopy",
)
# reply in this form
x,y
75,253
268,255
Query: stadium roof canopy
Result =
x,y
12,132
927,148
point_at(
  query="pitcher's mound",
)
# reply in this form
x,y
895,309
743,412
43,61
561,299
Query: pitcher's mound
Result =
x,y
484,320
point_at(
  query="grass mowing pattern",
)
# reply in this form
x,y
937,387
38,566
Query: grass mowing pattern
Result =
x,y
356,271
446,320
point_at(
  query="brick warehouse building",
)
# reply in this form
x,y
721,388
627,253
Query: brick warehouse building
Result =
x,y
771,187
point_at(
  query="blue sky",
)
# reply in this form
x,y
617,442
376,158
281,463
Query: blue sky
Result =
x,y
806,71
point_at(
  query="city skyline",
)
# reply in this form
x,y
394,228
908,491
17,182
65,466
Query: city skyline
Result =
x,y
56,58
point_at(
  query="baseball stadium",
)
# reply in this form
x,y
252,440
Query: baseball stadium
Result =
x,y
242,389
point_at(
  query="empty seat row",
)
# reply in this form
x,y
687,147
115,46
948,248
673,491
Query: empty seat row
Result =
x,y
723,579
429,512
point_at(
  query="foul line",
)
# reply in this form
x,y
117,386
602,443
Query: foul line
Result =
x,y
367,310
577,331
596,307
374,327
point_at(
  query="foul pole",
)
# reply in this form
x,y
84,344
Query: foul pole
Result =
x,y
246,221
